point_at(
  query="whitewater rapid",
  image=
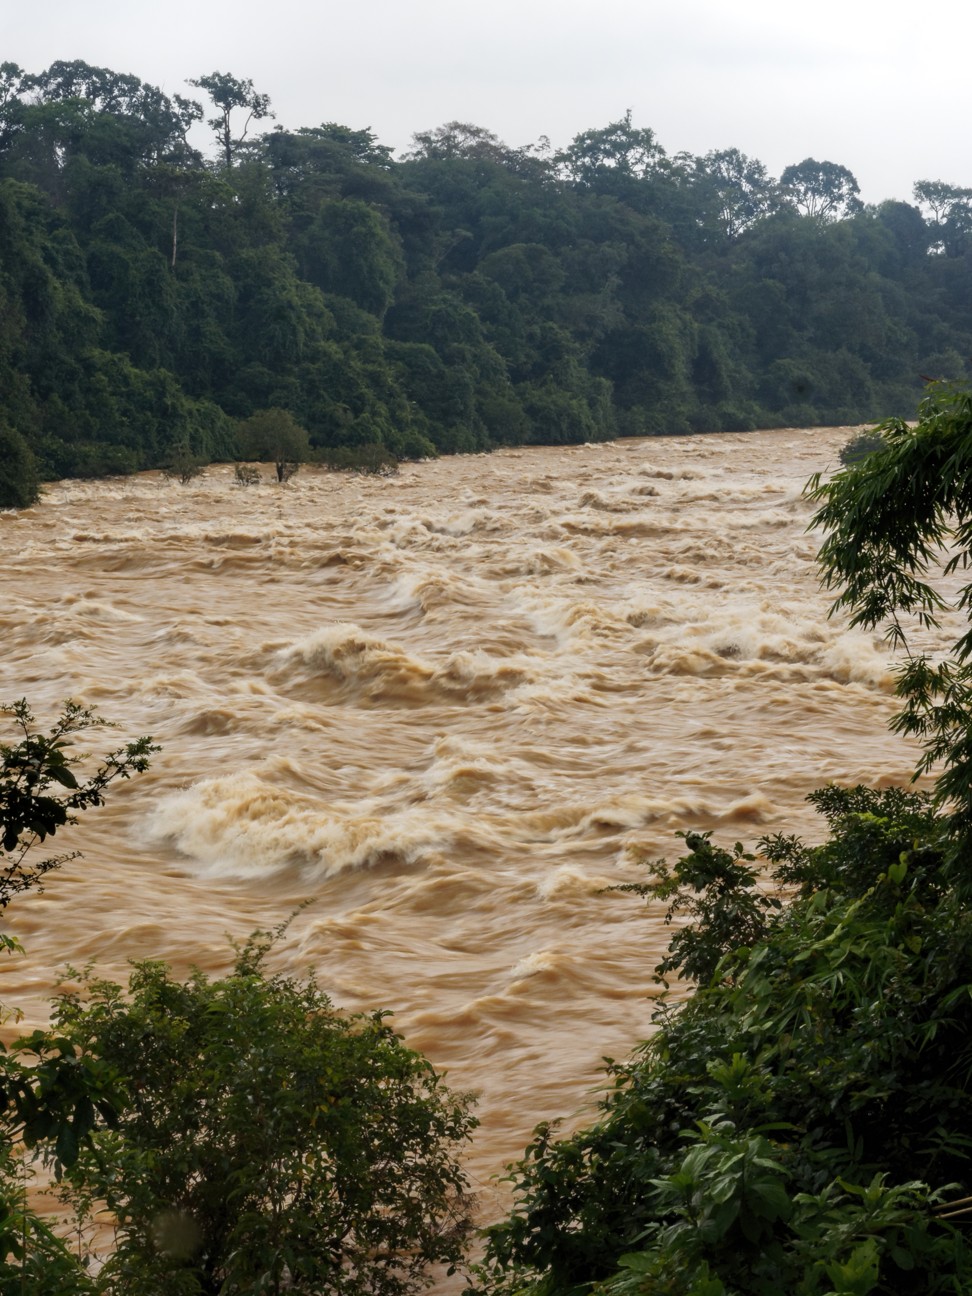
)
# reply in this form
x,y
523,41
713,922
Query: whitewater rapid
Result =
x,y
448,709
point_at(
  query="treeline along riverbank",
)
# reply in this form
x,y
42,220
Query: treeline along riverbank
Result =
x,y
465,296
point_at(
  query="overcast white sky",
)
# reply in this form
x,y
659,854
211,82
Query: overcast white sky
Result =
x,y
881,87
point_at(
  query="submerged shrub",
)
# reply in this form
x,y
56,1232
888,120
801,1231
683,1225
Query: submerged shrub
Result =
x,y
247,475
374,459
183,466
860,446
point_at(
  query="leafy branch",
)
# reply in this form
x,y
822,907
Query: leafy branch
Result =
x,y
40,791
898,523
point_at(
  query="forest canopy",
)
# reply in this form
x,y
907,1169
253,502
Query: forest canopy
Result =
x,y
465,296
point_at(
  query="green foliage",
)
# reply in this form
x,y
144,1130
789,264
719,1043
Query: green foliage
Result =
x,y
52,1094
40,791
231,95
742,191
183,465
349,250
33,1259
857,447
275,435
950,209
371,459
246,1136
823,190
893,521
719,891
468,296
798,1125
148,298
873,835
19,487
247,475
820,1073
619,151
269,1142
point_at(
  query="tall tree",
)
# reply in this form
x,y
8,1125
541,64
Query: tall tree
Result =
x,y
950,211
155,125
230,95
739,188
458,139
824,190
14,82
618,149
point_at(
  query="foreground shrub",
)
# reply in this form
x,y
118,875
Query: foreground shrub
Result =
x,y
52,1095
40,791
895,523
268,1143
801,1122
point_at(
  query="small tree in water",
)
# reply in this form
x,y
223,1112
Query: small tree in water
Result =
x,y
183,465
274,435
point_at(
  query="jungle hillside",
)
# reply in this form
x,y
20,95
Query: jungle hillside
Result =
x,y
155,293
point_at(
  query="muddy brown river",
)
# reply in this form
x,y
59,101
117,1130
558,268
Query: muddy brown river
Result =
x,y
448,708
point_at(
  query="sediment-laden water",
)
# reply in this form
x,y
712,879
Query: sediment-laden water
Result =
x,y
450,708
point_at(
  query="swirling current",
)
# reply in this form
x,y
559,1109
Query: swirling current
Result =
x,y
448,708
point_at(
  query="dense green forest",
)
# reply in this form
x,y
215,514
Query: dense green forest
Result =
x,y
465,296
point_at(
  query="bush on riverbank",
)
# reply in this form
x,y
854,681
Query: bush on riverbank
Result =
x,y
801,1123
245,1135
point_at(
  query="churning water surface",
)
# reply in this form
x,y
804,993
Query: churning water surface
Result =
x,y
449,708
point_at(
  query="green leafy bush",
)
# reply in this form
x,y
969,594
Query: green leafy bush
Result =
x,y
798,1123
895,521
373,459
858,447
247,1136
269,1143
247,475
40,791
718,889
52,1094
